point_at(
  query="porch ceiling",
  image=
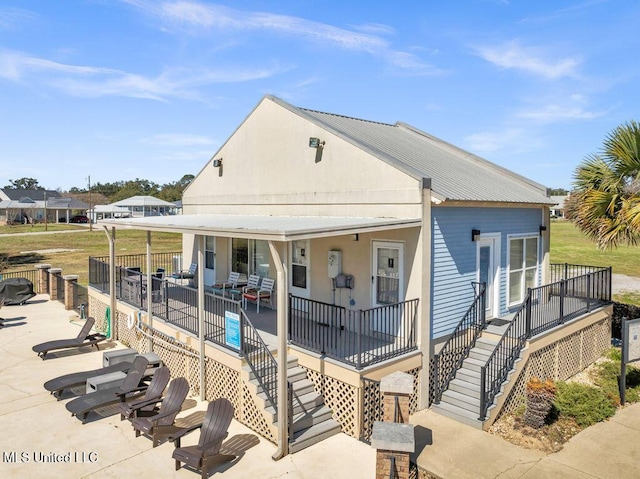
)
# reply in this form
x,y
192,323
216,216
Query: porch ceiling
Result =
x,y
275,228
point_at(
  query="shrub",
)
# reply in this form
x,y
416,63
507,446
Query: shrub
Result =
x,y
539,396
586,404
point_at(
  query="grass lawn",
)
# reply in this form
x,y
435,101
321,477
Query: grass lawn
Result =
x,y
569,245
23,252
38,228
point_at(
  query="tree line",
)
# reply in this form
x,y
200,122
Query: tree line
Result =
x,y
103,193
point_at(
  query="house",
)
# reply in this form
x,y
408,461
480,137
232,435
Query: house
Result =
x,y
141,206
391,250
558,210
19,205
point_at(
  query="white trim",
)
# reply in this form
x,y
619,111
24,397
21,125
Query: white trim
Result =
x,y
523,236
400,245
301,292
496,238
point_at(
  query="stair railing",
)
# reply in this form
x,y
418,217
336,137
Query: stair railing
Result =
x,y
456,349
262,363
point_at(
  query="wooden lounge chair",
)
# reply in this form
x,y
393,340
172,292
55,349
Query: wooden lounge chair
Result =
x,y
212,433
162,424
83,339
56,386
147,404
263,293
131,386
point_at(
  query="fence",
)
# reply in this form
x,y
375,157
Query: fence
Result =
x,y
30,274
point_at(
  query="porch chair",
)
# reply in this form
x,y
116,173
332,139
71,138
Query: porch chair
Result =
x,y
264,292
231,283
189,274
213,431
252,285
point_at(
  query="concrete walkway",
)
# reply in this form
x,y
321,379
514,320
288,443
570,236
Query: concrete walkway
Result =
x,y
608,450
37,428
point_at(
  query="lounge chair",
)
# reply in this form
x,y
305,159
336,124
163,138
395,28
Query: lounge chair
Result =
x,y
189,274
147,404
56,386
263,293
131,386
213,432
230,283
83,339
162,424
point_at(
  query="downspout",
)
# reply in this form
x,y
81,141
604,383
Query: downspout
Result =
x,y
112,281
201,245
282,313
149,291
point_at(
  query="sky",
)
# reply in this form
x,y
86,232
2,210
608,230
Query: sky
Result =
x,y
113,90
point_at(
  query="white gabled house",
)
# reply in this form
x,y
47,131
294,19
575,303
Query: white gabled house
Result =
x,y
390,250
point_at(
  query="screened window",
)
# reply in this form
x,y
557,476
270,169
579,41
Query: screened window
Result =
x,y
523,267
209,253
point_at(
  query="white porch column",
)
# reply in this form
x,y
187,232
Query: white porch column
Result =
x,y
200,240
280,261
112,280
424,329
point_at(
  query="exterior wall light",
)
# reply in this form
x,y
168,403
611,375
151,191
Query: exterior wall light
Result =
x,y
543,228
475,235
315,142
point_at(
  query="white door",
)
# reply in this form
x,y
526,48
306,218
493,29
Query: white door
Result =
x,y
209,260
487,272
387,284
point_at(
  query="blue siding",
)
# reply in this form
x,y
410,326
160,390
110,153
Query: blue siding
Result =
x,y
454,257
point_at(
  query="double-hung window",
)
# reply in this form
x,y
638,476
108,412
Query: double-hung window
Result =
x,y
523,266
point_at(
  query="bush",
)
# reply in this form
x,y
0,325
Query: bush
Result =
x,y
539,397
586,404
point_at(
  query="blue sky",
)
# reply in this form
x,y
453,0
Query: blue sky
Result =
x,y
124,89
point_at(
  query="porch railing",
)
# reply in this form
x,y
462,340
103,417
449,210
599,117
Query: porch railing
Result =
x,y
461,341
356,337
544,308
168,261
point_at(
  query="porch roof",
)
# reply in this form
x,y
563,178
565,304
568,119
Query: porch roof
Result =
x,y
275,228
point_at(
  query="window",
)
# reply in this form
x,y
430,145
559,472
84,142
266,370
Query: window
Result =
x,y
523,266
299,262
209,254
250,256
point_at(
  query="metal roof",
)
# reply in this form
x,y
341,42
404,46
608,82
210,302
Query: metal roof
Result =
x,y
456,175
143,201
276,228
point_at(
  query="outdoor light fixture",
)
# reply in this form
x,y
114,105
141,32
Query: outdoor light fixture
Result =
x,y
217,163
543,228
355,237
315,142
475,235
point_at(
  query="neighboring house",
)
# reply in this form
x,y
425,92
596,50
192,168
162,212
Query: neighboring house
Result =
x,y
100,212
558,210
141,206
18,206
380,238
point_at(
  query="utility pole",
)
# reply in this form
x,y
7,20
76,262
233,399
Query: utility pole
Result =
x,y
46,223
90,207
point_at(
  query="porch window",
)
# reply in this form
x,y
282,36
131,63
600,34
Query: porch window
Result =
x,y
250,256
523,267
209,254
240,255
299,261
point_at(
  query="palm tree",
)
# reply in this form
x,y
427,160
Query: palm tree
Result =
x,y
606,198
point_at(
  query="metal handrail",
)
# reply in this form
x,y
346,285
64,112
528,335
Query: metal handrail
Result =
x,y
461,341
592,288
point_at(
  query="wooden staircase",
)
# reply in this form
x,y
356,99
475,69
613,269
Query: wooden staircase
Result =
x,y
461,401
312,419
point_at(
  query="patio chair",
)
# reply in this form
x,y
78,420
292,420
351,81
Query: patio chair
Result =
x,y
231,283
83,339
56,386
189,274
162,424
264,292
130,387
213,431
146,404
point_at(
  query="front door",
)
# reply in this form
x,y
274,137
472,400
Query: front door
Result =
x,y
300,272
487,271
387,284
209,260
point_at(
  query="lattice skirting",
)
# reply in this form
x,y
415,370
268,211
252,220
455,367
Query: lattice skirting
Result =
x,y
561,360
343,400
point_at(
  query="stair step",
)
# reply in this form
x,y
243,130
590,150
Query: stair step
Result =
x,y
465,387
305,420
461,400
468,375
300,387
293,374
484,343
314,435
480,354
461,415
473,364
304,403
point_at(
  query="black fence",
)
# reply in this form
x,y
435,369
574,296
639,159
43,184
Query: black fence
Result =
x,y
356,337
30,274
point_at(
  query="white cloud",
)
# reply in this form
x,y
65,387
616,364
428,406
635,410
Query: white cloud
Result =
x,y
177,139
514,140
10,18
203,17
531,60
91,81
572,107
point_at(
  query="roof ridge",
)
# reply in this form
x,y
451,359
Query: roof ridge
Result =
x,y
348,117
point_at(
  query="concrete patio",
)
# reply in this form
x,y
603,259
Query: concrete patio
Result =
x,y
47,441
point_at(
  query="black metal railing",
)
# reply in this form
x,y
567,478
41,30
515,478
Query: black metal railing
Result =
x,y
456,349
356,337
167,261
80,299
30,274
59,287
543,308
